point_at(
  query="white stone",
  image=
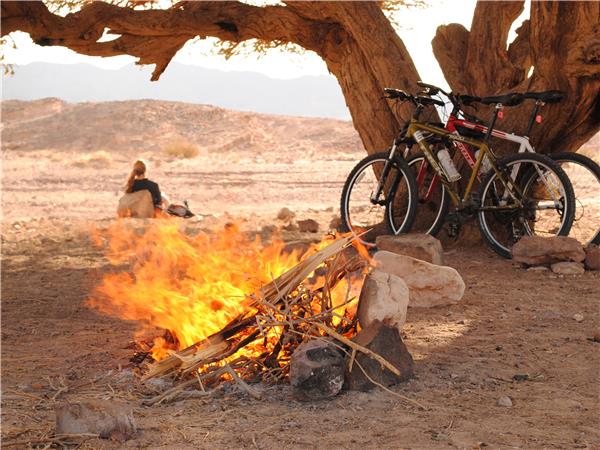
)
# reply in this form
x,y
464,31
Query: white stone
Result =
x,y
538,269
578,317
384,297
107,418
505,401
428,284
568,268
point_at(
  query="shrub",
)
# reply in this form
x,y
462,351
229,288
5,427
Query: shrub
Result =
x,y
98,160
181,149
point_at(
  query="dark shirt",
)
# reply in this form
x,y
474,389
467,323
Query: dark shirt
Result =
x,y
140,185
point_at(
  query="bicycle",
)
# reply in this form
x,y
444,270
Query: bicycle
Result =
x,y
501,198
581,170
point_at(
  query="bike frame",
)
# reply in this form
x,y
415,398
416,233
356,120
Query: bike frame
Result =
x,y
414,130
452,126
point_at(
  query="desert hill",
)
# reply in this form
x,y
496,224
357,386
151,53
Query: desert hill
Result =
x,y
151,125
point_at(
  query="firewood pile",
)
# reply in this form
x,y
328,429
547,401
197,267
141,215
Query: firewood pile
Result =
x,y
258,344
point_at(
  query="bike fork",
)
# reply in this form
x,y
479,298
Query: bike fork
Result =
x,y
384,173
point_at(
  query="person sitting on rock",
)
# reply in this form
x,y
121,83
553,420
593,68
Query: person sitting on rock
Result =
x,y
142,197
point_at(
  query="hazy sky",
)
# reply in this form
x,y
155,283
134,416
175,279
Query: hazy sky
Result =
x,y
418,27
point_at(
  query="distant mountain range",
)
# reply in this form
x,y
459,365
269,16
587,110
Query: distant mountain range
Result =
x,y
311,96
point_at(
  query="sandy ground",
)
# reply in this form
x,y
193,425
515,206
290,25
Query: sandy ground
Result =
x,y
511,322
54,348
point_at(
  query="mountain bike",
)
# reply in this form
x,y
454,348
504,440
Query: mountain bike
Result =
x,y
582,171
513,193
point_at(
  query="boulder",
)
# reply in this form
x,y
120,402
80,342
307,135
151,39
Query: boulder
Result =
x,y
420,246
592,257
308,225
137,204
285,214
108,419
386,341
316,370
537,250
428,284
567,268
384,297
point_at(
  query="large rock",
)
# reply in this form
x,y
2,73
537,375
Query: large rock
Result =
x,y
108,419
592,257
428,284
537,250
386,342
420,246
316,370
137,204
384,297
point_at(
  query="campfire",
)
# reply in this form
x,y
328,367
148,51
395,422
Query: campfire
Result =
x,y
233,308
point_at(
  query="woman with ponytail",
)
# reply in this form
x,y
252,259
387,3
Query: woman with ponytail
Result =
x,y
137,181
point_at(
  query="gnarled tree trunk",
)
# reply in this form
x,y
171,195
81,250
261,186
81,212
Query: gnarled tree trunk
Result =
x,y
560,41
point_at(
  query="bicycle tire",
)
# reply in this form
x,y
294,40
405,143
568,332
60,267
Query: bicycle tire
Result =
x,y
586,226
492,189
431,213
357,219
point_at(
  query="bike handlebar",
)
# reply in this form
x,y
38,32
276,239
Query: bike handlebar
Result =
x,y
397,94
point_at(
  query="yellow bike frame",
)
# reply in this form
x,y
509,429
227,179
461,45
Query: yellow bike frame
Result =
x,y
413,131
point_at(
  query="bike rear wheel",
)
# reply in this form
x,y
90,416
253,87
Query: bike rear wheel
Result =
x,y
433,199
584,174
361,213
541,201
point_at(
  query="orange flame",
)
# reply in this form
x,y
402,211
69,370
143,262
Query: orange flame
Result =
x,y
190,286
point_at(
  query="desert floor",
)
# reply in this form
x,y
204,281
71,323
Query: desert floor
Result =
x,y
54,348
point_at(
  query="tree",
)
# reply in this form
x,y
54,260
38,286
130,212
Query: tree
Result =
x,y
561,40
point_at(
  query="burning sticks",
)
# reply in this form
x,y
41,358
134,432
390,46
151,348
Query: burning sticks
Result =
x,y
227,317
282,314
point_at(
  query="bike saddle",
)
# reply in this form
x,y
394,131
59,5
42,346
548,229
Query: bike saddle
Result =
x,y
546,96
468,99
512,99
396,93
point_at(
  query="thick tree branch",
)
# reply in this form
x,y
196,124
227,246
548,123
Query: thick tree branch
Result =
x,y
156,35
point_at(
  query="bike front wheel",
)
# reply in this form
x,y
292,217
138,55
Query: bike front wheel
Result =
x,y
364,214
584,174
433,199
528,195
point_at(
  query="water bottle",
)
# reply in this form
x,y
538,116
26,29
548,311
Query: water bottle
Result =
x,y
448,165
485,164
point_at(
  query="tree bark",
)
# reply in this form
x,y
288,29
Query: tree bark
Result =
x,y
561,40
